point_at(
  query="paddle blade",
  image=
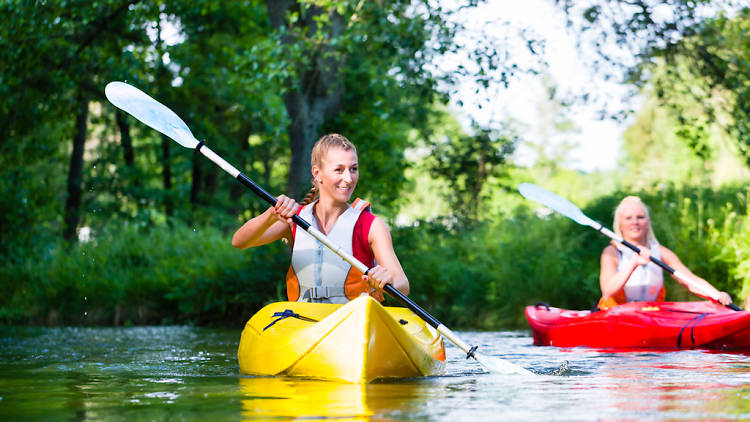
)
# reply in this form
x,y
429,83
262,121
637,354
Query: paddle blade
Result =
x,y
498,366
555,202
149,111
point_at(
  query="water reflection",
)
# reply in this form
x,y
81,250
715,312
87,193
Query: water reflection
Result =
x,y
185,373
685,384
304,399
296,398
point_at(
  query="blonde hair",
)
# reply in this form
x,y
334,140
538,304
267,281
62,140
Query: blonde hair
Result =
x,y
319,151
650,237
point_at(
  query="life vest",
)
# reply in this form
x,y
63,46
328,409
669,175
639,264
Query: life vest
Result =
x,y
318,274
646,283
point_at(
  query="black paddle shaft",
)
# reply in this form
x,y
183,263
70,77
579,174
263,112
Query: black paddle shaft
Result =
x,y
270,199
411,305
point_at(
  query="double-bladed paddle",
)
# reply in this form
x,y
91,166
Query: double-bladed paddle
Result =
x,y
566,208
159,117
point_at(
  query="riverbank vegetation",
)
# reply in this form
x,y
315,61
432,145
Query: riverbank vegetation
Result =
x,y
479,276
104,221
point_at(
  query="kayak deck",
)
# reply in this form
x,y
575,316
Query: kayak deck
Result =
x,y
357,342
660,325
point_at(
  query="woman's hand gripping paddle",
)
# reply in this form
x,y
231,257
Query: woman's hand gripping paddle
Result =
x,y
566,208
159,117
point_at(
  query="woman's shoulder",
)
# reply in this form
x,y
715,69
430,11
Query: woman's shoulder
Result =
x,y
610,250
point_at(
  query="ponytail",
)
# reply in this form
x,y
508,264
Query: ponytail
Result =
x,y
312,195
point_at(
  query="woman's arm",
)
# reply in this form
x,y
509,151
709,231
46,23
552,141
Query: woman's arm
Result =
x,y
612,281
699,286
275,223
388,270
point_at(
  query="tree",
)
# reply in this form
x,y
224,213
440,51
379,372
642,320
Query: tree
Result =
x,y
711,69
703,45
335,57
51,57
467,163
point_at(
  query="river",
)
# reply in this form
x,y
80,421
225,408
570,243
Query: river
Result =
x,y
189,373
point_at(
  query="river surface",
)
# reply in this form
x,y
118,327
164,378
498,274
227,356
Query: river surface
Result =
x,y
187,373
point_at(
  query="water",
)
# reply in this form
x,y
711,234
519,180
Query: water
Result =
x,y
185,373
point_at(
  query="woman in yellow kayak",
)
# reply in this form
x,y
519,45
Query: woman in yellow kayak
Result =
x,y
317,274
626,276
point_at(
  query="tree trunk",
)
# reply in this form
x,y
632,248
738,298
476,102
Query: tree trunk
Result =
x,y
125,140
75,173
303,131
210,182
318,93
236,189
481,176
197,185
166,174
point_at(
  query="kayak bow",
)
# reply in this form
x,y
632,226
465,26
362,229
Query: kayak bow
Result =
x,y
357,342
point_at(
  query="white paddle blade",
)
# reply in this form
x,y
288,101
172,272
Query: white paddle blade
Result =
x,y
498,366
555,202
149,111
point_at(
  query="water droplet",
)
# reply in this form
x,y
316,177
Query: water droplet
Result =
x,y
85,314
85,298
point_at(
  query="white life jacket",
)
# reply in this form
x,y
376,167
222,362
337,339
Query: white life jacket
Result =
x,y
319,274
646,281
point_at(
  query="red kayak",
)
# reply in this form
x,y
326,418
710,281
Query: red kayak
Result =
x,y
659,325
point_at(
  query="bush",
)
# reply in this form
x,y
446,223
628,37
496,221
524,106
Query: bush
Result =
x,y
475,276
483,277
131,276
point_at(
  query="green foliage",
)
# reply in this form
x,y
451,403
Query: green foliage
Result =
x,y
695,55
699,224
132,275
657,150
466,163
479,276
483,277
711,67
161,216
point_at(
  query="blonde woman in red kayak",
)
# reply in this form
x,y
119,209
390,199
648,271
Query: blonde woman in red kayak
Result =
x,y
628,277
317,274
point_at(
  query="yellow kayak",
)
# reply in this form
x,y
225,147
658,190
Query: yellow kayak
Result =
x,y
357,342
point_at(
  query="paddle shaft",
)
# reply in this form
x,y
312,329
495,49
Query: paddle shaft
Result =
x,y
660,263
322,238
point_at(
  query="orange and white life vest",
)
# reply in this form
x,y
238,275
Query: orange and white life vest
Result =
x,y
645,284
316,273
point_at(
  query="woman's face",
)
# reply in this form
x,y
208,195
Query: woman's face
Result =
x,y
338,174
634,223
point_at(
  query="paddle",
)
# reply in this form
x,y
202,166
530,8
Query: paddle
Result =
x,y
566,208
159,117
